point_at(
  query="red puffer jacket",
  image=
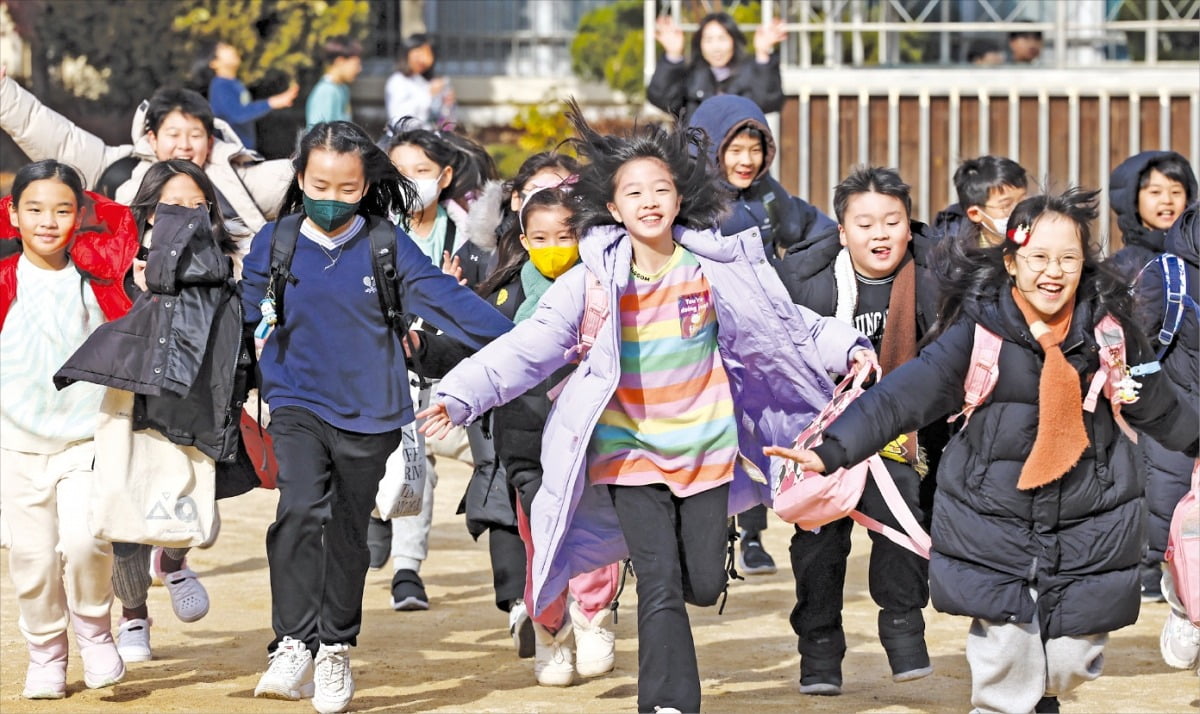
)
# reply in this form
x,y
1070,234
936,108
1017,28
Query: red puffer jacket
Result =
x,y
102,251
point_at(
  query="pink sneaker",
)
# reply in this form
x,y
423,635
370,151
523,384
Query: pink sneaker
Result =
x,y
46,677
102,664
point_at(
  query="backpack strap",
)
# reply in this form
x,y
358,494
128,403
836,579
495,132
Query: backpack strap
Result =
x,y
595,312
382,235
283,248
914,537
982,373
1175,298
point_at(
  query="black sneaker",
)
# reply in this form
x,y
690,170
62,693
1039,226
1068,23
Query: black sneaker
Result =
x,y
1049,705
408,592
820,677
379,542
753,558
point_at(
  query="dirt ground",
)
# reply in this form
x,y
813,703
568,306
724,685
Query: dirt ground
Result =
x,y
457,657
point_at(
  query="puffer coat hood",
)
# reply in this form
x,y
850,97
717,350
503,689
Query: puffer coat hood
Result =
x,y
1141,243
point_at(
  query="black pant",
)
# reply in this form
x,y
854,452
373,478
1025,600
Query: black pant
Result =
x,y
678,550
317,546
507,552
898,578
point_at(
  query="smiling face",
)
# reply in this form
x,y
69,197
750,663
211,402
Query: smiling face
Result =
x,y
876,232
645,200
46,217
1048,268
716,45
743,160
1160,201
181,136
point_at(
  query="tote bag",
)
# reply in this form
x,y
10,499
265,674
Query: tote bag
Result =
x,y
147,489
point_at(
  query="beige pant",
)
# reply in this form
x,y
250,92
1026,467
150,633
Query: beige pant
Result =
x,y
45,502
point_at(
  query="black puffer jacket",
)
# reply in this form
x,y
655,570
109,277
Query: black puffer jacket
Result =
x,y
1077,541
807,273
1168,473
679,87
180,346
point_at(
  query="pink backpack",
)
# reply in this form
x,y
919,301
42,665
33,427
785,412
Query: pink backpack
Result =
x,y
1110,379
1183,549
811,500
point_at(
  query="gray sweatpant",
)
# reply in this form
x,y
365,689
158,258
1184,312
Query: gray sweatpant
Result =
x,y
1011,669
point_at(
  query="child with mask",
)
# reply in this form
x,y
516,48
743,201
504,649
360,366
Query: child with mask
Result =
x,y
335,419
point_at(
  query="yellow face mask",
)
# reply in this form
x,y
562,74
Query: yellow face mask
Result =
x,y
554,260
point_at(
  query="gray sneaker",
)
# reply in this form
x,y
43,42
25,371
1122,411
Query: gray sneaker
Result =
x,y
290,672
334,682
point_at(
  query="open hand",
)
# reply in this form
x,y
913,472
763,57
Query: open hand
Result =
x,y
436,424
284,98
670,36
806,460
453,267
766,37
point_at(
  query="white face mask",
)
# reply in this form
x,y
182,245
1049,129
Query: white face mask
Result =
x,y
427,191
1000,225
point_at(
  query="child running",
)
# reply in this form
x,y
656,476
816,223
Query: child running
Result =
x,y
334,373
1038,520
56,292
174,182
701,358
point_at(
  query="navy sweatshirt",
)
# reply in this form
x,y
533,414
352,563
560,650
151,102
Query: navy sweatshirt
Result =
x,y
334,355
230,101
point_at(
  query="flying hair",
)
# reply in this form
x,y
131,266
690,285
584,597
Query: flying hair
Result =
x,y
683,150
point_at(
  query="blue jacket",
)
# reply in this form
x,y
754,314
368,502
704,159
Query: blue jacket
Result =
x,y
333,354
777,355
230,101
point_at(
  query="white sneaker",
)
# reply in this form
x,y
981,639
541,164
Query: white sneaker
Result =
x,y
133,640
520,628
189,599
1179,642
334,682
593,642
289,674
552,659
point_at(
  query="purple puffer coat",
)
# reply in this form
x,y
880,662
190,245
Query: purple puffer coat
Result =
x,y
778,356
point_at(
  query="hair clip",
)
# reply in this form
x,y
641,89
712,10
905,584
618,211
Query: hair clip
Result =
x,y
563,185
1019,234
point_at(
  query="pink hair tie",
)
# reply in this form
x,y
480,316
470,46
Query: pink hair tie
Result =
x,y
563,185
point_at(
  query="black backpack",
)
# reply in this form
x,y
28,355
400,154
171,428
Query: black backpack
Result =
x,y
383,263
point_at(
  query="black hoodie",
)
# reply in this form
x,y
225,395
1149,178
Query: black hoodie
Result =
x,y
1142,244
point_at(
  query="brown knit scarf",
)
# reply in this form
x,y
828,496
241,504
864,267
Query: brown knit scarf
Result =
x,y
899,342
1061,436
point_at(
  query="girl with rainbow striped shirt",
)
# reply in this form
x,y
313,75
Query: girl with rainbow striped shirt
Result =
x,y
656,436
